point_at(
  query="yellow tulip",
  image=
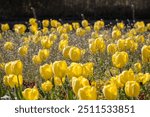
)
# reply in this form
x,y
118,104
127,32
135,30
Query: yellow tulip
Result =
x,y
68,27
131,45
140,27
61,30
20,28
8,68
31,94
78,83
59,68
110,91
85,23
132,88
52,37
65,52
95,35
98,25
88,69
75,54
100,44
88,29
64,36
148,26
36,59
116,81
140,38
111,49
46,71
5,81
93,46
75,70
33,29
145,53
120,25
54,23
126,76
62,44
59,81
14,67
116,34
23,50
143,78
80,32
2,66
47,86
17,67
45,23
120,59
13,80
46,43
137,67
5,27
43,54
45,30
32,21
121,45
75,25
87,93
1,36
8,46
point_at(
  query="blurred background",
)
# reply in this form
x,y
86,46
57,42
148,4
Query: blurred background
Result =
x,y
14,10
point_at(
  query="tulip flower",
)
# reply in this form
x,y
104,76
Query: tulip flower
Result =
x,y
59,68
14,67
46,71
45,23
36,59
47,86
65,52
111,49
120,59
132,88
87,93
8,46
78,83
75,70
46,43
75,25
75,54
62,44
110,91
116,34
31,93
5,27
126,76
23,50
85,23
137,67
80,32
20,28
13,80
145,53
43,54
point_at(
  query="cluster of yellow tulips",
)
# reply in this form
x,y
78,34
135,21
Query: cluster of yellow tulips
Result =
x,y
80,60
